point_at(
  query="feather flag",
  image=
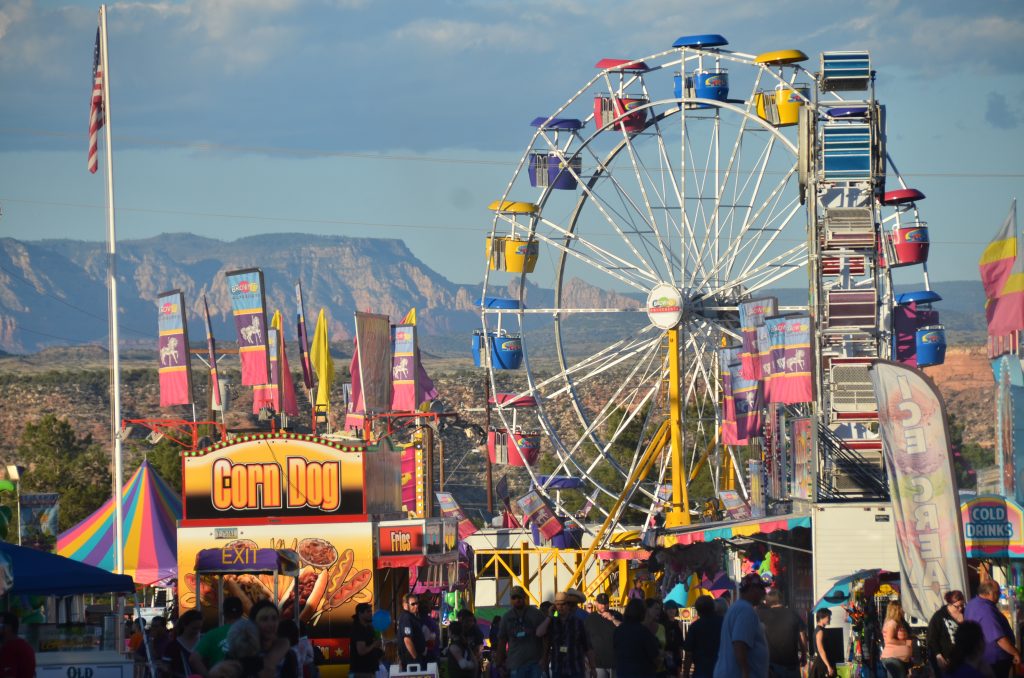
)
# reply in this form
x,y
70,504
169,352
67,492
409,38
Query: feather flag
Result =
x,y
212,357
307,368
1004,286
320,355
998,257
1005,313
286,400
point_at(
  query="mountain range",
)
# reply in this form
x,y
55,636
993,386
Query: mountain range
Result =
x,y
53,292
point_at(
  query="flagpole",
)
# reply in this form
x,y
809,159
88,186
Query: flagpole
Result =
x,y
115,362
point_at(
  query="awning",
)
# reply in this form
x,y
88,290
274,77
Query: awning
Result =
x,y
630,554
414,560
747,528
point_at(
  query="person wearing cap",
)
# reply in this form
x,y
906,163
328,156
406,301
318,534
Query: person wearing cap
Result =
x,y
366,645
521,633
213,645
743,652
570,652
600,626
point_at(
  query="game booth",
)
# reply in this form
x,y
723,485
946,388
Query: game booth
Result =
x,y
994,539
316,525
47,591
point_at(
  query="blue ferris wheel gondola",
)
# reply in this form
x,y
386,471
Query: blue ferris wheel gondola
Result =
x,y
701,41
560,124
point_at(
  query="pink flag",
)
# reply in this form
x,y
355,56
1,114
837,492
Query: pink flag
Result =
x,y
790,380
247,304
175,362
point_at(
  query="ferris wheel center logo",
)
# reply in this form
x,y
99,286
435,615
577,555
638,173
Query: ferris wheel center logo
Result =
x,y
665,306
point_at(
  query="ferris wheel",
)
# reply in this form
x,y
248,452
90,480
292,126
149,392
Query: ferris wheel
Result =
x,y
662,195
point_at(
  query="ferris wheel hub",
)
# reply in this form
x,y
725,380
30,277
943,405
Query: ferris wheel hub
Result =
x,y
665,306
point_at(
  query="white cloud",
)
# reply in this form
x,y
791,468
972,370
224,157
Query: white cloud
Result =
x,y
13,13
459,36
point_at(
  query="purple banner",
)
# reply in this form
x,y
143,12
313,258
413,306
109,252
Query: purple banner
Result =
x,y
536,510
236,557
929,536
451,509
728,364
752,316
248,304
175,362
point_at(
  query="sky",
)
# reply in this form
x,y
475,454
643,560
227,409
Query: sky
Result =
x,y
405,120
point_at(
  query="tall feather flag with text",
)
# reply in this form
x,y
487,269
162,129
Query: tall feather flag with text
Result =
x,y
211,350
1003,279
998,257
96,108
175,361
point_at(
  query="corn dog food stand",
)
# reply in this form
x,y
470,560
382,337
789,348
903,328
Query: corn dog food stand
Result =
x,y
248,500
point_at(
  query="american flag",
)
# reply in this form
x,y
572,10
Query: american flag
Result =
x,y
96,107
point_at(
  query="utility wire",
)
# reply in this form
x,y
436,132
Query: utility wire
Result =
x,y
426,158
69,305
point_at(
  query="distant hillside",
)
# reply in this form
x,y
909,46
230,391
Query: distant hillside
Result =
x,y
53,292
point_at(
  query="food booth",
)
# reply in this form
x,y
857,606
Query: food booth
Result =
x,y
251,502
64,643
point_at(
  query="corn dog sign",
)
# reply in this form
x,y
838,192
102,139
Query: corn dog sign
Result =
x,y
281,475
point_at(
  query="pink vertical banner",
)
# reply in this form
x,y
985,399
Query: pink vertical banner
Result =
x,y
175,362
404,372
248,304
728,363
269,395
790,380
752,316
925,502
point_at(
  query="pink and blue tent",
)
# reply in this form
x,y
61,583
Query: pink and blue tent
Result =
x,y
151,510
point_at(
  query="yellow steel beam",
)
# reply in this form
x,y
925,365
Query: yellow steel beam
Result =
x,y
680,513
640,472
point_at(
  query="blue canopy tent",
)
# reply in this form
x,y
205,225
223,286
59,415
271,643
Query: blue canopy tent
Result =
x,y
45,574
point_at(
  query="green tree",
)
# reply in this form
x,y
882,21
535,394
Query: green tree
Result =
x,y
968,458
59,460
165,458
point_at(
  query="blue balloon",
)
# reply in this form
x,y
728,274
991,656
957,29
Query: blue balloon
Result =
x,y
381,620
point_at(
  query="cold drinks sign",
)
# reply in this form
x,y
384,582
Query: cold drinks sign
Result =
x,y
993,527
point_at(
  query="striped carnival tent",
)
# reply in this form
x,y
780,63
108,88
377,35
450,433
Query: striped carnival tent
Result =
x,y
151,510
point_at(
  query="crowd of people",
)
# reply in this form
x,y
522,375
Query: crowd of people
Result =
x,y
756,636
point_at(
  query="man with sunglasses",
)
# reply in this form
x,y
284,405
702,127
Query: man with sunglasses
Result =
x,y
413,646
521,634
